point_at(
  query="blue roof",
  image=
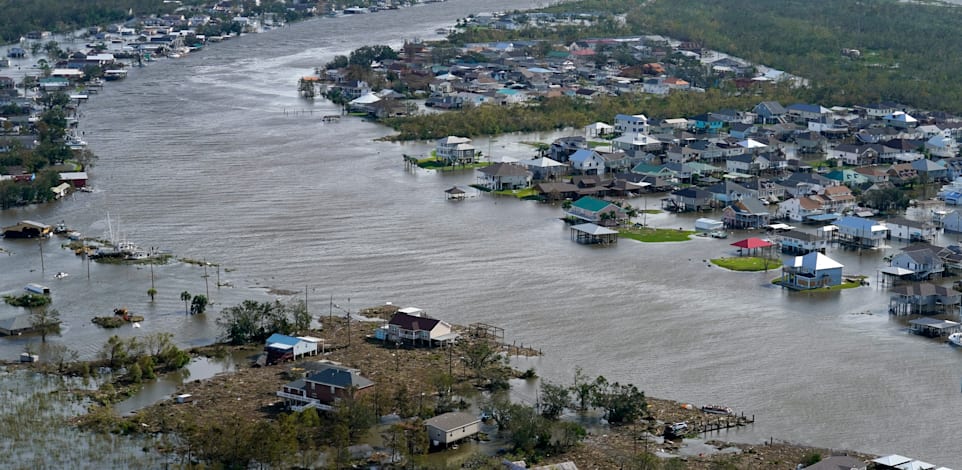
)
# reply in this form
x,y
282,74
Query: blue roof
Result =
x,y
857,223
282,339
629,118
823,217
507,91
806,108
581,155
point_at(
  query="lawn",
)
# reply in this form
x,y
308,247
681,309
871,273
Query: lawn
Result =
x,y
846,284
432,163
655,235
518,193
747,263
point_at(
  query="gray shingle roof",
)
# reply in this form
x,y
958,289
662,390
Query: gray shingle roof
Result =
x,y
452,420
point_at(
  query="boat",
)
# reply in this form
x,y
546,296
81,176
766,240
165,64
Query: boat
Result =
x,y
60,275
75,143
718,234
717,410
955,339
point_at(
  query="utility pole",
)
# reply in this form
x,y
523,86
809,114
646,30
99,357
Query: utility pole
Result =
x,y
40,243
206,283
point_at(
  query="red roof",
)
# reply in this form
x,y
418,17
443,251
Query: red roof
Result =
x,y
751,243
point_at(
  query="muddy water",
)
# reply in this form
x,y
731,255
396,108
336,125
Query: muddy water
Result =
x,y
204,156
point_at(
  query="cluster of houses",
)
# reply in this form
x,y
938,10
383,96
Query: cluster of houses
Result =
x,y
323,383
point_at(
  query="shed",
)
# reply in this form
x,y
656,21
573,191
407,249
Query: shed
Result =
x,y
451,427
27,229
708,225
933,327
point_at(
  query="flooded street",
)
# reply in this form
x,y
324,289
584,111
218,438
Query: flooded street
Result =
x,y
205,157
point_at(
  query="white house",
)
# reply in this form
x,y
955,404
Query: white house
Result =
x,y
502,176
448,428
453,148
635,144
942,146
900,120
952,222
811,271
587,162
799,208
905,229
414,326
859,231
631,124
282,347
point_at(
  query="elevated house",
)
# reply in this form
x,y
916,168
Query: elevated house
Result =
x,y
798,209
503,176
325,388
860,232
597,211
288,348
924,260
904,229
923,298
455,150
563,147
769,112
952,222
413,326
631,124
688,199
746,213
802,112
587,162
811,271
545,168
705,123
448,428
798,242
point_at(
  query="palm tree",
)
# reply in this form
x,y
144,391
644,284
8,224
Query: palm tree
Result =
x,y
151,292
185,296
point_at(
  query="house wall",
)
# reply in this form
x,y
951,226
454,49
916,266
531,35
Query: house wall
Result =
x,y
442,437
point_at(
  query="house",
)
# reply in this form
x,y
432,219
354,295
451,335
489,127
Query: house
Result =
x,y
597,211
688,199
924,260
769,112
453,149
16,325
923,298
811,271
802,112
60,190
705,123
838,462
856,155
931,170
413,326
325,388
283,348
746,213
545,168
448,428
631,124
952,222
900,120
798,242
943,146
563,147
904,229
861,232
798,209
587,162
504,176
636,144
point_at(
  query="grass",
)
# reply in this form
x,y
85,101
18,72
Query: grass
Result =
x,y
650,211
596,143
655,235
747,263
435,164
846,284
518,193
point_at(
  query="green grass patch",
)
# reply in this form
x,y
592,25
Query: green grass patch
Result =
x,y
435,164
650,211
846,284
598,143
518,193
747,263
655,235
28,300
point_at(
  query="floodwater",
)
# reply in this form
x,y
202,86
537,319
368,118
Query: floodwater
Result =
x,y
206,156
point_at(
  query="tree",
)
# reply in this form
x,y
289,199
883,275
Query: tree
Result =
x,y
60,356
479,356
554,399
45,322
114,352
582,390
198,304
151,292
302,318
185,296
621,403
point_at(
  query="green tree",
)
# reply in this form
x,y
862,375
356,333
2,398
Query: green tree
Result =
x,y
554,399
185,297
113,352
151,292
620,403
45,322
198,304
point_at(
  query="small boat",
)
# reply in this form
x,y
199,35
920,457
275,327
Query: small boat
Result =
x,y
718,234
717,410
60,275
955,339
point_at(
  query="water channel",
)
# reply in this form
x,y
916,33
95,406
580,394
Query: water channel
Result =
x,y
206,157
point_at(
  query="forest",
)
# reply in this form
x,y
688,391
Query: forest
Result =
x,y
905,49
22,16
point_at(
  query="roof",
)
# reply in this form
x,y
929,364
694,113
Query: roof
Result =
x,y
412,322
892,460
451,421
816,261
589,203
837,462
593,229
285,340
861,225
581,155
751,243
340,377
504,169
934,323
17,323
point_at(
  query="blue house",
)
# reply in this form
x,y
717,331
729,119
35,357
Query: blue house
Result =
x,y
282,347
705,123
811,271
769,112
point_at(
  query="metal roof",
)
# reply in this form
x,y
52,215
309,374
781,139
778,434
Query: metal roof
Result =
x,y
453,420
